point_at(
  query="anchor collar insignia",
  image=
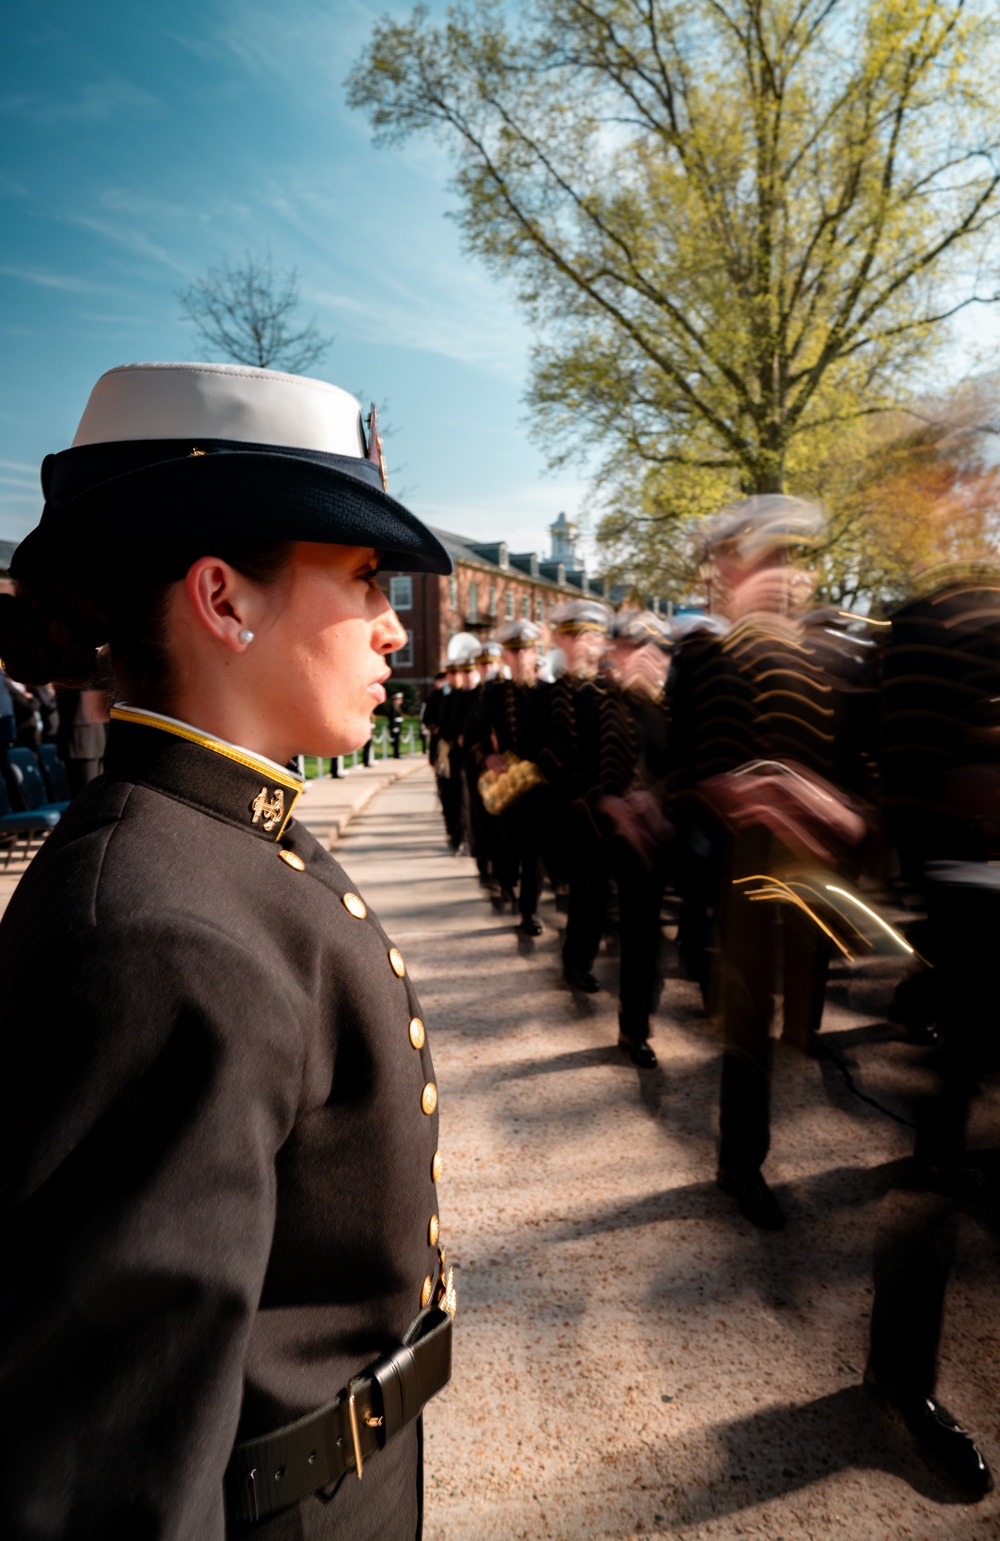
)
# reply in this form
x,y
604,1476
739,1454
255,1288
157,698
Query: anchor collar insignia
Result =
x,y
225,780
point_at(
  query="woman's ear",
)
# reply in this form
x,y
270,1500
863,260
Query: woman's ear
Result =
x,y
220,598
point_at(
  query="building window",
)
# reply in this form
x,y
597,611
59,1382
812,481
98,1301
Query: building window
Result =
x,y
401,593
509,604
453,592
402,658
473,603
539,608
493,601
526,607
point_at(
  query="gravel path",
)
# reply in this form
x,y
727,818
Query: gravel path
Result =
x,y
632,1358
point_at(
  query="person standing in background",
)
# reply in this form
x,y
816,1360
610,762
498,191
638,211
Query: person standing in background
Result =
x,y
394,712
84,715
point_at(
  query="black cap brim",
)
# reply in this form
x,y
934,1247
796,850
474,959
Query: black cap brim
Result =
x,y
109,501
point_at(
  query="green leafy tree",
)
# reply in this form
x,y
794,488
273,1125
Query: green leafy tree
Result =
x,y
907,493
735,225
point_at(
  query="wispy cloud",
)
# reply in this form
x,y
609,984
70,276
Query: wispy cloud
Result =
x,y
93,101
19,465
44,278
129,236
11,188
271,42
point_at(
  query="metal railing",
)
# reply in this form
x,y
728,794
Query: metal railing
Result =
x,y
411,742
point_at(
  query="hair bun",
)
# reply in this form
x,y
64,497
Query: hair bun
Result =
x,y
38,647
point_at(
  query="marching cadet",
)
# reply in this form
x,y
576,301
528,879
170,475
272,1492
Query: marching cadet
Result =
x,y
941,764
224,1295
506,747
456,714
569,762
632,772
430,714
753,718
483,833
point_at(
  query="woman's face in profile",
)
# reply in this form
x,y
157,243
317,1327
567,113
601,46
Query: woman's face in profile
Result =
x,y
321,659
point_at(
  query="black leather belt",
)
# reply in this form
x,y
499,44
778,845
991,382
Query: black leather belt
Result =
x,y
268,1474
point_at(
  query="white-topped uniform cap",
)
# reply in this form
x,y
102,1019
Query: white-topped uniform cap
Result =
x,y
221,401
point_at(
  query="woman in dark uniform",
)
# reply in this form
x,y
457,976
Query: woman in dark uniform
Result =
x,y
224,1298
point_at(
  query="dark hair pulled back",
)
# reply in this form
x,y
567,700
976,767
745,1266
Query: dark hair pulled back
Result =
x,y
53,625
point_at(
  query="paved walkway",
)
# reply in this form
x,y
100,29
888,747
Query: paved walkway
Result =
x,y
632,1358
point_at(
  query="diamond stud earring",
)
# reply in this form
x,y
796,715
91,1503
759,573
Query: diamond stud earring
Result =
x,y
245,635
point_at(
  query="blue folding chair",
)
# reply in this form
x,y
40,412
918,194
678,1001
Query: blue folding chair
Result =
x,y
27,775
15,825
54,771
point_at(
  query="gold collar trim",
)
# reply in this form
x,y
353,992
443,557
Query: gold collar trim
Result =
x,y
270,770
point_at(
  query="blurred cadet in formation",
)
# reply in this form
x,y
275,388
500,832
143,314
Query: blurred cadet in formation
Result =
x,y
569,761
742,773
941,768
756,744
506,745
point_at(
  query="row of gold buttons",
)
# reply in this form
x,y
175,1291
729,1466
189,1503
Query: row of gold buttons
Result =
x,y
428,1101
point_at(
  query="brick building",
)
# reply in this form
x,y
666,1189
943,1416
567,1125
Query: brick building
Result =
x,y
490,586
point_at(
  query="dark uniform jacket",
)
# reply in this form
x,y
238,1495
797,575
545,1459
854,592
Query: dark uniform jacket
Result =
x,y
509,718
570,753
218,1138
941,726
764,691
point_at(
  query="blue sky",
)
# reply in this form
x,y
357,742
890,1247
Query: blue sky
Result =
x,y
143,143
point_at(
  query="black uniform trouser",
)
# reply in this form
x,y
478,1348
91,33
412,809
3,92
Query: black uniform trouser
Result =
x,y
698,855
640,893
79,772
585,854
915,1246
517,850
478,823
450,788
756,936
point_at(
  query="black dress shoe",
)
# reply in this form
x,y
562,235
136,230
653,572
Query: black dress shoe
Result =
x,y
639,1052
941,1437
530,925
581,981
755,1200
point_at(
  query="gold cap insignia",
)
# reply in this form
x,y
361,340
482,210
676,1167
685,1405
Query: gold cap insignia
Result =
x,y
268,810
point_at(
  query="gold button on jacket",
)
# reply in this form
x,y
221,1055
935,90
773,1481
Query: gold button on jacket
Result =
x,y
417,1034
396,962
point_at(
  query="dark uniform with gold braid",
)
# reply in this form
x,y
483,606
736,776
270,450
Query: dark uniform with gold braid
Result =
x,y
510,722
244,1246
569,761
